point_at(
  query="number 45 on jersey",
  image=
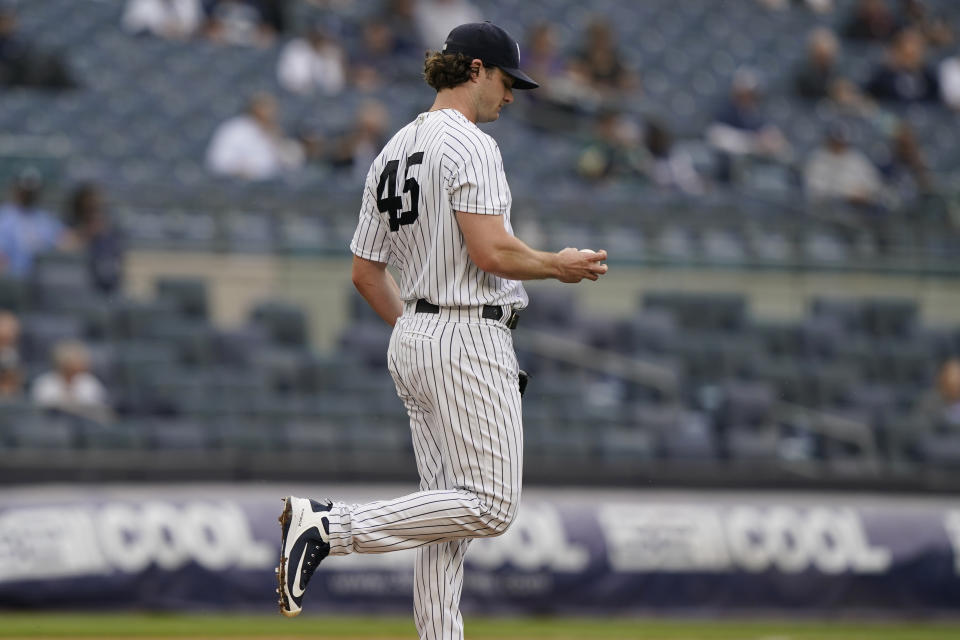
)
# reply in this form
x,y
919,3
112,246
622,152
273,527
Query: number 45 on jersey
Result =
x,y
392,204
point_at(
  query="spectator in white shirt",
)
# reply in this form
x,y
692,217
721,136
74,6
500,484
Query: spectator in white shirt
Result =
x,y
239,22
174,19
70,387
837,171
252,145
950,82
314,63
437,18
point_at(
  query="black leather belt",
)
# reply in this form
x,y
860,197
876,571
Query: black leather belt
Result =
x,y
490,312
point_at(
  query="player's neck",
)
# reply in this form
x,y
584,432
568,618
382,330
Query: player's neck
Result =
x,y
453,99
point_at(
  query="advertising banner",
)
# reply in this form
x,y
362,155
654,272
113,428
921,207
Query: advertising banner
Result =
x,y
583,552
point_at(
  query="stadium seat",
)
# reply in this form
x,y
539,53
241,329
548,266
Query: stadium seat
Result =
x,y
368,342
630,445
60,281
284,323
941,450
11,294
550,308
236,433
850,314
650,331
890,318
45,431
312,435
181,435
717,311
41,331
117,436
187,296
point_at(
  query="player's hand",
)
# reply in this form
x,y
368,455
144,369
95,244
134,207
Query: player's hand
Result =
x,y
575,265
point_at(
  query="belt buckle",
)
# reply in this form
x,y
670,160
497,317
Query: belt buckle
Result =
x,y
513,319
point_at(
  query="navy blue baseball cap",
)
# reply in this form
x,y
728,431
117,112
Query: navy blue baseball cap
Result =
x,y
494,46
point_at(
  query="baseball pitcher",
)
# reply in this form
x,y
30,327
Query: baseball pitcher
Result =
x,y
436,206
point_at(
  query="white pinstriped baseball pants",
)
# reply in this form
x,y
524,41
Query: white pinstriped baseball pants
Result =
x,y
457,376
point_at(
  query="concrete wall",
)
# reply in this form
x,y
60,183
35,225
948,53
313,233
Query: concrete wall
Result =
x,y
322,286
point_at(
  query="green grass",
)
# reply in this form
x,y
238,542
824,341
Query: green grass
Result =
x,y
381,628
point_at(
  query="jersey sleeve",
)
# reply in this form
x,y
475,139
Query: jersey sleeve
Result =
x,y
478,183
371,239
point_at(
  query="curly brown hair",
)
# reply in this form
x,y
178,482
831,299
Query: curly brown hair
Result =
x,y
447,70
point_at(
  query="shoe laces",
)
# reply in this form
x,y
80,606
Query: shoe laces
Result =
x,y
315,552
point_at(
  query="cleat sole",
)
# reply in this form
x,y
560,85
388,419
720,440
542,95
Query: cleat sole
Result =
x,y
284,520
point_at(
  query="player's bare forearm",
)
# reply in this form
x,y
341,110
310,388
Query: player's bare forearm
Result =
x,y
378,288
495,251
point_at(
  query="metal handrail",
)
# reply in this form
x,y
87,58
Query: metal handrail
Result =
x,y
642,372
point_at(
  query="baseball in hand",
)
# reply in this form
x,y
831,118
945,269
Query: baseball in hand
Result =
x,y
590,252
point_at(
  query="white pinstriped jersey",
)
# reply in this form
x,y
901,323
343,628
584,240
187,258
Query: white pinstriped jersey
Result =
x,y
438,164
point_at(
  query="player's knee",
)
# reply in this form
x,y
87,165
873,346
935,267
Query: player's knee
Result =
x,y
502,523
500,518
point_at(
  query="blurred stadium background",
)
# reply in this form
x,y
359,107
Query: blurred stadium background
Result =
x,y
757,411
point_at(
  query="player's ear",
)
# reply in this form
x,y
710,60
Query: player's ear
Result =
x,y
475,67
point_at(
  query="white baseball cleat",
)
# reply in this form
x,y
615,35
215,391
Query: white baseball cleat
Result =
x,y
305,542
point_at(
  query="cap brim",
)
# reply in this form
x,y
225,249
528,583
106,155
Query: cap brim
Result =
x,y
520,79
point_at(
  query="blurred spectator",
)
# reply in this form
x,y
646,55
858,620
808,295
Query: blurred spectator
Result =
x,y
599,62
668,167
943,409
837,171
871,20
949,77
400,15
614,151
436,19
22,64
356,149
905,75
90,231
274,13
820,6
377,60
70,387
26,229
252,145
818,77
313,63
818,71
542,60
934,28
905,171
740,130
938,411
11,377
239,22
173,19
564,95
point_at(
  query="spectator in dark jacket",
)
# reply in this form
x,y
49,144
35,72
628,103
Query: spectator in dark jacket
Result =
x,y
740,129
905,75
22,64
871,20
818,77
90,231
905,169
600,63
